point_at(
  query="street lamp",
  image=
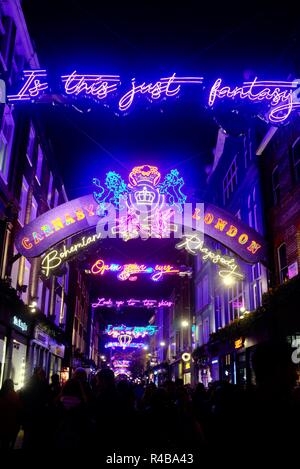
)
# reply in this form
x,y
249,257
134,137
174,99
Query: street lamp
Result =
x,y
184,323
162,344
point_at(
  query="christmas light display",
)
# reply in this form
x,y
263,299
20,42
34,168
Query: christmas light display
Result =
x,y
132,302
134,331
279,97
131,271
194,245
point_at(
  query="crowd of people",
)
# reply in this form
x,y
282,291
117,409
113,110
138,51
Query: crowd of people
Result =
x,y
109,414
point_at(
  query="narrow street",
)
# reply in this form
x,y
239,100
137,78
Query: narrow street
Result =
x,y
149,227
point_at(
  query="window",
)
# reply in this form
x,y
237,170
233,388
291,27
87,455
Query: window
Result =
x,y
30,146
218,312
276,186
230,180
252,209
15,271
56,197
235,301
256,285
7,41
57,309
39,165
26,278
205,290
49,196
296,159
47,297
23,201
40,294
205,330
202,293
34,208
6,139
282,263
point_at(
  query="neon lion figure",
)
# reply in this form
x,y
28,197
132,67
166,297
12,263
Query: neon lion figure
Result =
x,y
171,186
117,190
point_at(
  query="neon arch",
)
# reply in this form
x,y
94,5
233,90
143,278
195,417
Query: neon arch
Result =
x,y
115,199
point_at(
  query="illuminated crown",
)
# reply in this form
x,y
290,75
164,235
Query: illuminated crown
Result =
x,y
144,197
144,173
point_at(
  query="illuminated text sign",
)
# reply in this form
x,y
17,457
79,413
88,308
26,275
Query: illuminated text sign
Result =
x,y
131,271
132,302
280,97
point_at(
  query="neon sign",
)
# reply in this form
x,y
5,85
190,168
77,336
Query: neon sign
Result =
x,y
143,193
130,345
194,245
146,207
228,230
121,363
279,94
122,371
54,258
280,97
23,326
131,271
99,87
134,331
132,302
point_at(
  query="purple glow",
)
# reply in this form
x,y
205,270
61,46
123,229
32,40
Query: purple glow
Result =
x,y
33,86
97,86
278,93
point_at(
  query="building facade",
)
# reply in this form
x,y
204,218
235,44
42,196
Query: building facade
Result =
x,y
235,183
33,308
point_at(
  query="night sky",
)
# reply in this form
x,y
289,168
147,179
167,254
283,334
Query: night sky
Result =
x,y
148,40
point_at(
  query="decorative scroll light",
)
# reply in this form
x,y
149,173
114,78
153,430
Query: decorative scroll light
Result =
x,y
147,303
132,331
54,258
229,269
131,271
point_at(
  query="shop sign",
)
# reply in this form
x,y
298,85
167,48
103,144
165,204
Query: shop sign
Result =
x,y
239,343
19,324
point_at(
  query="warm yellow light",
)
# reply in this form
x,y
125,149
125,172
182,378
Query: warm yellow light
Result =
x,y
184,323
242,309
228,281
162,344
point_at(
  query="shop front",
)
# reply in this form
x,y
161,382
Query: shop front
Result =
x,y
16,346
45,352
